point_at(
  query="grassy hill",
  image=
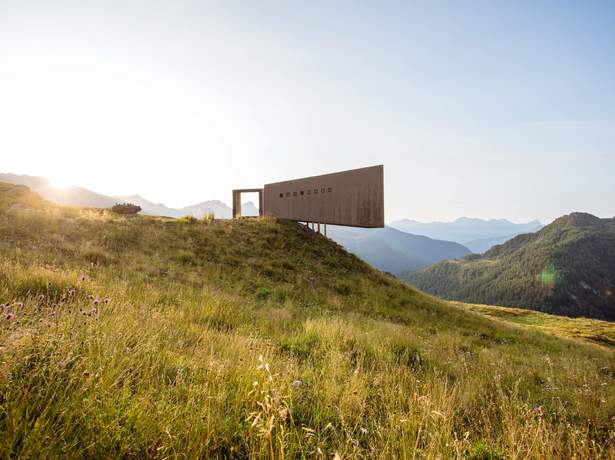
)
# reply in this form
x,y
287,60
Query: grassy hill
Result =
x,y
566,268
151,337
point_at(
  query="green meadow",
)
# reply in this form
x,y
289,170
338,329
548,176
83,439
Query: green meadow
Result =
x,y
143,337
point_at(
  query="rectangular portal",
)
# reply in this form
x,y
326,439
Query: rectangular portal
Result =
x,y
354,198
237,200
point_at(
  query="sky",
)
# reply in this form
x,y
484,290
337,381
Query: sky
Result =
x,y
479,108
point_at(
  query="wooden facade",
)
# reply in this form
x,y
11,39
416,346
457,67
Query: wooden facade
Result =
x,y
353,198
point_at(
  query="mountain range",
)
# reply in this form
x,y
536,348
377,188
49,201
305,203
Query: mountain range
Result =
x,y
567,268
476,234
392,250
82,197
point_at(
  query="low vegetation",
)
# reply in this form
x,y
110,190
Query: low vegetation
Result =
x,y
567,268
126,208
152,337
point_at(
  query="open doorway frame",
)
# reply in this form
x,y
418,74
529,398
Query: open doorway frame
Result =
x,y
237,200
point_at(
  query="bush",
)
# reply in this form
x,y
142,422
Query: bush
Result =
x,y
126,208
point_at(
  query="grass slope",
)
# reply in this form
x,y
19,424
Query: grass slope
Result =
x,y
566,268
589,330
150,337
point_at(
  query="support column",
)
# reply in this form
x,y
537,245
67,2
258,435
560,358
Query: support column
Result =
x,y
261,204
236,204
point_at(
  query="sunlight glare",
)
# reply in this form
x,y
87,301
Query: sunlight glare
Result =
x,y
60,182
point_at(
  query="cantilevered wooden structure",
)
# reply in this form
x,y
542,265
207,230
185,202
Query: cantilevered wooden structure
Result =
x,y
353,198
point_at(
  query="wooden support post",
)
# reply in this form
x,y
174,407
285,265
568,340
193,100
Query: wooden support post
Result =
x,y
261,203
236,204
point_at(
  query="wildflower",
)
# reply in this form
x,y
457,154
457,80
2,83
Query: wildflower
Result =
x,y
263,364
72,292
19,304
106,300
537,410
86,374
297,383
9,316
1,306
41,297
82,278
94,311
364,430
96,301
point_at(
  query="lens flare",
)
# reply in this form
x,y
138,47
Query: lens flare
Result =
x,y
548,277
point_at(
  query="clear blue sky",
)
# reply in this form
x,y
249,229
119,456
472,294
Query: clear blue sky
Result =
x,y
479,108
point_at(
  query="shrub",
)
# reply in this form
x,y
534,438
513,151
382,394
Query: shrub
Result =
x,y
126,208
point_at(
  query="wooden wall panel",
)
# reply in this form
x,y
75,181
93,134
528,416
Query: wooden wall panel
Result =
x,y
353,198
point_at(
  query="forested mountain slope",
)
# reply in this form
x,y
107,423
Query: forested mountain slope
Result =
x,y
566,268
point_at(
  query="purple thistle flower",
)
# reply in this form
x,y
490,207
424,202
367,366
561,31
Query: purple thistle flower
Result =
x,y
10,316
1,306
19,304
72,292
96,301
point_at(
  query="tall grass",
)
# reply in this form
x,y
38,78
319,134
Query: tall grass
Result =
x,y
157,338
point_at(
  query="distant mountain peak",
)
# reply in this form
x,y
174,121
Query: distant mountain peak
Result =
x,y
477,234
579,219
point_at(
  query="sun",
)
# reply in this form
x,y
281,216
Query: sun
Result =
x,y
60,181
